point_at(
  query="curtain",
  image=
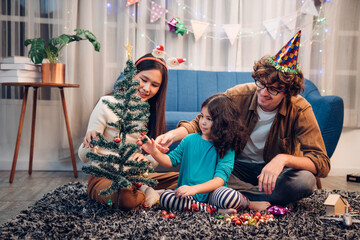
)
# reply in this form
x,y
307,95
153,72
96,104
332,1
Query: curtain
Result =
x,y
321,56
341,58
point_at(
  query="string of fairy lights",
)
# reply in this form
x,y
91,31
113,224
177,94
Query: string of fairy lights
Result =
x,y
319,27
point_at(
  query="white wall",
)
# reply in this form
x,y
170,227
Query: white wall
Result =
x,y
346,158
45,136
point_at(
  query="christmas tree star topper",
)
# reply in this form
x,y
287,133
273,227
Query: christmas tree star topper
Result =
x,y
128,48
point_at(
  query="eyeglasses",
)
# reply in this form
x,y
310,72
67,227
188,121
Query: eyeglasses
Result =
x,y
273,91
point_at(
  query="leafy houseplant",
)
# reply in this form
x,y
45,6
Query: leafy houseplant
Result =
x,y
54,72
39,50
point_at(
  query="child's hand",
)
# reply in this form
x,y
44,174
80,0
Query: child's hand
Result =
x,y
185,191
150,146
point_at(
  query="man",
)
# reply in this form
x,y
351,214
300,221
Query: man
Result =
x,y
285,149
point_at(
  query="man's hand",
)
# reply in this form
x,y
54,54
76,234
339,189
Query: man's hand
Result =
x,y
185,191
92,134
165,140
270,173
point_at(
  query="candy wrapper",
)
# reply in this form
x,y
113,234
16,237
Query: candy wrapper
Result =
x,y
278,210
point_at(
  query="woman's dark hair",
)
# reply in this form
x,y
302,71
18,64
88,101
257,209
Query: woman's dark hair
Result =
x,y
293,83
157,123
227,130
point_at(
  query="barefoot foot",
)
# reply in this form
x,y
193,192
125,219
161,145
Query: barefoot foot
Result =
x,y
259,205
228,211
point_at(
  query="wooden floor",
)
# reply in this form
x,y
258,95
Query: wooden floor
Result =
x,y
25,189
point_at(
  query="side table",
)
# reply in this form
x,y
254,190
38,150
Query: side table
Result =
x,y
23,108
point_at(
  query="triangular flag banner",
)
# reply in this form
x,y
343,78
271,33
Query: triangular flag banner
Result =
x,y
156,12
232,31
290,21
131,2
198,28
272,26
309,8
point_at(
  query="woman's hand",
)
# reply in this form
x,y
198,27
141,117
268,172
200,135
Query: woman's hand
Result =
x,y
138,157
90,135
185,191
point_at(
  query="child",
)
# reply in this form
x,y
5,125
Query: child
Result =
x,y
207,160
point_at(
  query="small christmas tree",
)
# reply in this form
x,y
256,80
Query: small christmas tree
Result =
x,y
132,118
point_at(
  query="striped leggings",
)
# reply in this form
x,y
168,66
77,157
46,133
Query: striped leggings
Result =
x,y
222,197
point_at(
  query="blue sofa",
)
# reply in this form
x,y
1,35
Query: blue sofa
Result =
x,y
187,89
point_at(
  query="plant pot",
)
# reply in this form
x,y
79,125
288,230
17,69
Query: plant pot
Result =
x,y
53,72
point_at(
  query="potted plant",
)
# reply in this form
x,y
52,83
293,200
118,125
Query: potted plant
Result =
x,y
54,72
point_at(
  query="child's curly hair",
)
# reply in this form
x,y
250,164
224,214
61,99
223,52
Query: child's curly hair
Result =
x,y
227,130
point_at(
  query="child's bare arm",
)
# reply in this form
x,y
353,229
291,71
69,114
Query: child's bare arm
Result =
x,y
161,158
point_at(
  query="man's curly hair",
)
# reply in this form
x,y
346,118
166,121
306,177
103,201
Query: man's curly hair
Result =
x,y
293,83
227,130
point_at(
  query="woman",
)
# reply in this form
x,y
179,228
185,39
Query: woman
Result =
x,y
152,75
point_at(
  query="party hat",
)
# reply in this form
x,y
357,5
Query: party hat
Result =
x,y
286,59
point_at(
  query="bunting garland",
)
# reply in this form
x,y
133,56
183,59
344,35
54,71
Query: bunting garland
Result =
x,y
232,30
131,2
272,26
309,8
156,12
198,28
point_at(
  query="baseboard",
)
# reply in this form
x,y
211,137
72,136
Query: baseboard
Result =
x,y
41,166
344,171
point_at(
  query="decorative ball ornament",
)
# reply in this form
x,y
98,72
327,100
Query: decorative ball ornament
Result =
x,y
139,143
117,139
138,185
145,174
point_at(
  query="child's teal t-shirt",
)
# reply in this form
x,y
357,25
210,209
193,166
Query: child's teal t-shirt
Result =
x,y
200,163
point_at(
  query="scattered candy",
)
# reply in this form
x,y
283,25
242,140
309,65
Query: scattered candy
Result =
x,y
247,218
110,202
278,210
167,215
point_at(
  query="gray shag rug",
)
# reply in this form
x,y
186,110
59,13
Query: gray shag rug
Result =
x,y
68,213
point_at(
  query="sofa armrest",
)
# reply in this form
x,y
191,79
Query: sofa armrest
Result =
x,y
329,113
